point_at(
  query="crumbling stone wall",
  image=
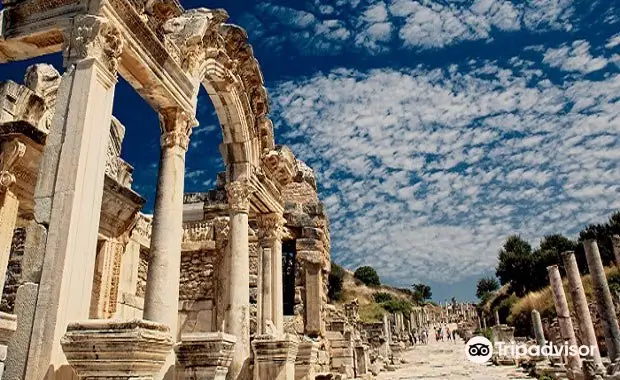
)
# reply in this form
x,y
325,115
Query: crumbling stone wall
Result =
x,y
197,275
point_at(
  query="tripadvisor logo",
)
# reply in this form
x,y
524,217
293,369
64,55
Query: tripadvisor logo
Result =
x,y
479,350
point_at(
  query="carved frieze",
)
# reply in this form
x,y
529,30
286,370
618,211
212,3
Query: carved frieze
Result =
x,y
12,150
94,37
186,34
198,231
281,163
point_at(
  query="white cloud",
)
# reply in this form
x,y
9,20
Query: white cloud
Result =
x,y
432,168
613,41
577,57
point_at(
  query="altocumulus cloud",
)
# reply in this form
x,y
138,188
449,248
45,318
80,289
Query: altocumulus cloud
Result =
x,y
375,26
433,167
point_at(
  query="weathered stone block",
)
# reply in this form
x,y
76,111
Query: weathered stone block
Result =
x,y
204,355
274,358
315,208
309,245
116,349
25,306
312,233
34,252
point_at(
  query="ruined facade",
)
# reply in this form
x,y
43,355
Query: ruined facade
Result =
x,y
234,278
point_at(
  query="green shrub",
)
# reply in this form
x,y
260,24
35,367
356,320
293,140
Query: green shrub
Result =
x,y
335,280
382,297
367,275
396,306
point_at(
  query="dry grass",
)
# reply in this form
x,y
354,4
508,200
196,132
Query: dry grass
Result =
x,y
542,300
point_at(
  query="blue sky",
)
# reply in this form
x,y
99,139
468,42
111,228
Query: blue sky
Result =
x,y
436,128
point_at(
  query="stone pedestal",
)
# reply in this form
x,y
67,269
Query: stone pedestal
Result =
x,y
604,303
314,284
108,349
8,325
580,304
566,325
274,358
306,361
362,361
204,356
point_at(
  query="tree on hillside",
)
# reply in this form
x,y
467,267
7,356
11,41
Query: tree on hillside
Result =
x,y
421,292
485,286
515,263
367,275
602,233
334,282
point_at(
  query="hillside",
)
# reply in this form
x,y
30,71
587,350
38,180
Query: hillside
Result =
x,y
370,310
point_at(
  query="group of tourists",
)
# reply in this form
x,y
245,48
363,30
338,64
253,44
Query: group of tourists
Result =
x,y
443,333
418,336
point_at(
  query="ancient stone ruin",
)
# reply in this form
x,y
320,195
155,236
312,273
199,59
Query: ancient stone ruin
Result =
x,y
212,285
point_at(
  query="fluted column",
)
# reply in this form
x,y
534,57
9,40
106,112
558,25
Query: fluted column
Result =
x,y
266,291
580,304
69,188
237,314
604,303
161,298
561,308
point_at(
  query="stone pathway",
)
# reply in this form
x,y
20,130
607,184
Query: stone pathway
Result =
x,y
446,360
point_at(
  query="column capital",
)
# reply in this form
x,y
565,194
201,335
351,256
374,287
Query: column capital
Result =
x,y
176,127
93,37
238,194
12,151
270,226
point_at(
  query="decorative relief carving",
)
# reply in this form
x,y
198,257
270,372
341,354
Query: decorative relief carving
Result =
x,y
270,226
281,163
197,231
94,37
12,150
221,228
186,34
143,226
238,194
44,80
176,127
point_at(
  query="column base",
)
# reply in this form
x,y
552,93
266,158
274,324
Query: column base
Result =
x,y
204,356
104,349
274,357
306,361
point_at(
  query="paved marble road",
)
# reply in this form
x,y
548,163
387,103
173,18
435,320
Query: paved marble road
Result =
x,y
446,360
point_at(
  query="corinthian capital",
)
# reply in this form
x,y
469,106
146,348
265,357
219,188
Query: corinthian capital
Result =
x,y
270,226
176,127
12,151
94,37
238,193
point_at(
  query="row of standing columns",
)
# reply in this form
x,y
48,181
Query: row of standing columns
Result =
x,y
604,305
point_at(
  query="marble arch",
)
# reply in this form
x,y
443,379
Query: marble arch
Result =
x,y
64,185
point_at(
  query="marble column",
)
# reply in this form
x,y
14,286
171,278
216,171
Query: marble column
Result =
x,y
314,283
604,303
538,328
69,188
566,325
237,312
496,317
580,304
10,152
161,296
270,233
266,291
